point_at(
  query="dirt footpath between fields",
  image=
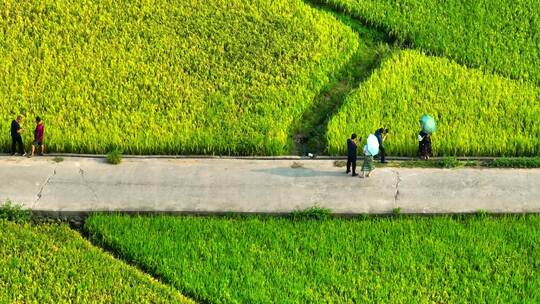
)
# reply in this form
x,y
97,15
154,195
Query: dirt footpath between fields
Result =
x,y
265,186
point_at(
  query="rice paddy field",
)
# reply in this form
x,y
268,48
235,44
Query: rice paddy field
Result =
x,y
166,77
480,259
50,263
241,77
245,77
495,35
477,113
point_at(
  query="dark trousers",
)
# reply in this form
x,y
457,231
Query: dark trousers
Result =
x,y
17,141
382,154
424,148
351,163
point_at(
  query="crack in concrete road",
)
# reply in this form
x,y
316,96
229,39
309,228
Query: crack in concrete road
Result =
x,y
85,182
398,181
47,181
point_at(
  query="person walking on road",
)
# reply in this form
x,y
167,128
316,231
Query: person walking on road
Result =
x,y
39,133
351,154
381,136
16,137
424,145
367,165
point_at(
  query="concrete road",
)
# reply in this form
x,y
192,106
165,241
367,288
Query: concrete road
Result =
x,y
217,185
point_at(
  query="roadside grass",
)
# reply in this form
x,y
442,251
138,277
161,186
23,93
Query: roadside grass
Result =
x,y
313,213
114,157
475,258
50,263
430,164
529,162
453,162
15,212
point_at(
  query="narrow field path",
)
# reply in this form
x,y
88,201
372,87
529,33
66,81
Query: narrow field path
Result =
x,y
81,185
375,46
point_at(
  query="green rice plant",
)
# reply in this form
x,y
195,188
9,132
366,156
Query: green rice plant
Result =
x,y
495,35
53,264
166,77
398,259
476,113
114,157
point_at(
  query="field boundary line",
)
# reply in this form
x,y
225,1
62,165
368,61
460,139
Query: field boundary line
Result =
x,y
279,157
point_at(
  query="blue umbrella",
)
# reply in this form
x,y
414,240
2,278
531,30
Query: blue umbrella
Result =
x,y
428,124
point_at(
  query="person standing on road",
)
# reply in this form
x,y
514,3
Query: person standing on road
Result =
x,y
381,136
367,165
16,137
39,133
424,145
351,154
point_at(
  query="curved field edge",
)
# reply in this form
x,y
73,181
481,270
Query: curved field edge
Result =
x,y
170,77
277,260
374,46
495,35
477,114
51,263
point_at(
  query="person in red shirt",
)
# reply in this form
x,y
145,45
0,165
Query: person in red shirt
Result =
x,y
39,133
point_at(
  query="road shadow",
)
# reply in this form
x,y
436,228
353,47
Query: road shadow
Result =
x,y
299,172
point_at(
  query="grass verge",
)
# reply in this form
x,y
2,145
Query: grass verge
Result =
x,y
531,162
452,162
15,212
286,260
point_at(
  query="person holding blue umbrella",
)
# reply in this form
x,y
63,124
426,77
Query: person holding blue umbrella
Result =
x,y
424,137
424,145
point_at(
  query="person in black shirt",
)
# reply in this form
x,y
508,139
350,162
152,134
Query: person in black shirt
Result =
x,y
16,138
381,136
351,155
424,145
